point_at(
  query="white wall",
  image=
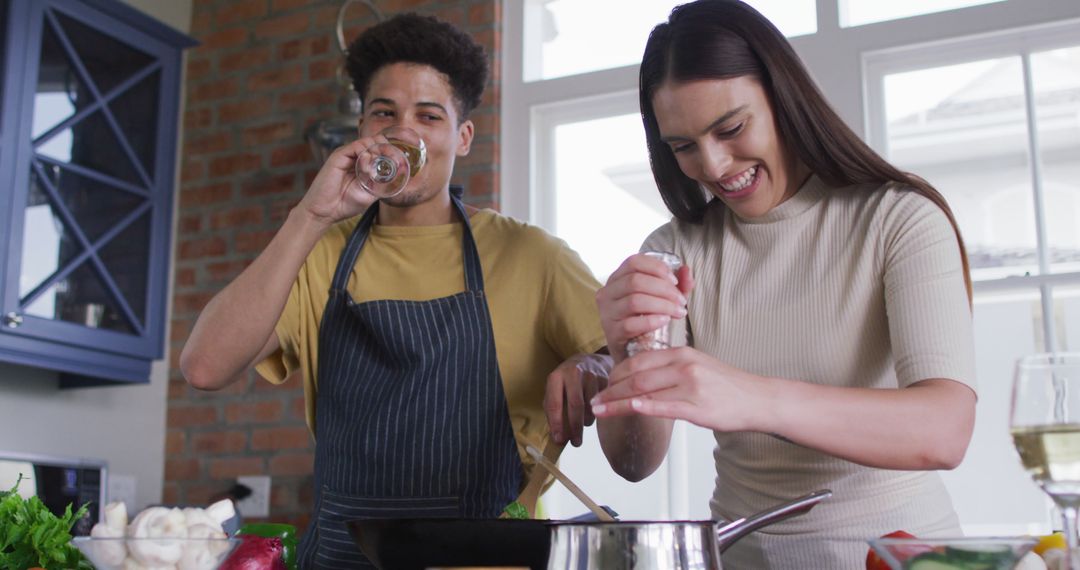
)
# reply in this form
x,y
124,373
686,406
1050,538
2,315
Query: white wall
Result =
x,y
176,13
124,425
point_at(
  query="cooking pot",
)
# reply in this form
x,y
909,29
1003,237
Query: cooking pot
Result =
x,y
681,545
408,544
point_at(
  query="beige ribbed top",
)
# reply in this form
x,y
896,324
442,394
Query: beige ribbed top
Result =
x,y
858,286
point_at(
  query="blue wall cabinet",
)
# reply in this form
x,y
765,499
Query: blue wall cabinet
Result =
x,y
88,135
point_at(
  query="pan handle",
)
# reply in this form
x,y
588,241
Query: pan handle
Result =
x,y
728,533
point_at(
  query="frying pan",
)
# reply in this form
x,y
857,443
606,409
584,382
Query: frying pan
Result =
x,y
417,544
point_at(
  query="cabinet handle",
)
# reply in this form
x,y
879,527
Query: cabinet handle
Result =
x,y
12,320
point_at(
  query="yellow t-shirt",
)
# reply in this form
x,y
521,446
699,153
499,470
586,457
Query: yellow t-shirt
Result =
x,y
540,294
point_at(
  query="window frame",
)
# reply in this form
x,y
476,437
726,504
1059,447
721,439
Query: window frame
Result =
x,y
1019,42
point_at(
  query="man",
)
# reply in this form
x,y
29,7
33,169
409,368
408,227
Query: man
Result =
x,y
425,330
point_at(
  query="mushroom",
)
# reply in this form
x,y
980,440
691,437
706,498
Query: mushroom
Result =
x,y
201,554
161,523
200,517
111,552
221,511
116,516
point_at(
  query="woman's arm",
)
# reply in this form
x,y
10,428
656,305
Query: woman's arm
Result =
x,y
634,445
924,426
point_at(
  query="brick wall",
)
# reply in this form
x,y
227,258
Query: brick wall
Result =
x,y
265,71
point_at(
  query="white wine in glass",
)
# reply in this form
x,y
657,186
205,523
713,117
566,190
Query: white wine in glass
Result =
x,y
1045,427
385,168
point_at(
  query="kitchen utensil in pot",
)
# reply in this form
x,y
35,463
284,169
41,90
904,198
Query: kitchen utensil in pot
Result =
x,y
535,484
577,492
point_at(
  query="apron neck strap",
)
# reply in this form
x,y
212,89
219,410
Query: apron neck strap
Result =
x,y
474,276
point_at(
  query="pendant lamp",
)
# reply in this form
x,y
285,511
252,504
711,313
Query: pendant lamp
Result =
x,y
328,134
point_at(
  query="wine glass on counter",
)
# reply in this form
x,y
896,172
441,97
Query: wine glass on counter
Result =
x,y
385,168
1045,426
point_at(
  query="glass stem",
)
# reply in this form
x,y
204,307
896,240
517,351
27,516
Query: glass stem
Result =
x,y
1069,514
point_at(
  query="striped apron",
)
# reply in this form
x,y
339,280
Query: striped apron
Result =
x,y
411,418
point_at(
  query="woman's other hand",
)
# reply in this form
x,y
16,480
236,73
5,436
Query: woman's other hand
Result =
x,y
642,295
683,383
928,423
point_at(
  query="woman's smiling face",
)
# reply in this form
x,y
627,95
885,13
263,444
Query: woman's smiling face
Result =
x,y
724,136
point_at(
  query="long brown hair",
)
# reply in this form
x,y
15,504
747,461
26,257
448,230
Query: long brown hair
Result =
x,y
722,39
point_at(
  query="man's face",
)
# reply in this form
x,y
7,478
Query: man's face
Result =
x,y
420,98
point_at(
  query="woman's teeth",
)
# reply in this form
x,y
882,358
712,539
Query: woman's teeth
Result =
x,y
741,182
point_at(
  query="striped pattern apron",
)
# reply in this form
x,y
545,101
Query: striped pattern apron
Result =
x,y
411,419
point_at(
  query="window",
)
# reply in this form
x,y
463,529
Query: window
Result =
x,y
859,12
607,156
965,128
992,122
562,38
954,110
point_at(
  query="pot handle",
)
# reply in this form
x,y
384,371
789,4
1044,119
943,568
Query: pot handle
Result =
x,y
728,533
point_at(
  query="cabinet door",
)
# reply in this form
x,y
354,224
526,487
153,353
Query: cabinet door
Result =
x,y
4,49
93,173
9,117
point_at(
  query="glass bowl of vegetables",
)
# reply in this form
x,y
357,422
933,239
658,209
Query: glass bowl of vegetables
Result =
x,y
180,553
968,553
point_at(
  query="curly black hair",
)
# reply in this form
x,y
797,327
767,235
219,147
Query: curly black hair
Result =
x,y
413,38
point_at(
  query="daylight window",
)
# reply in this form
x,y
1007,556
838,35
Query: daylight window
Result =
x,y
568,37
965,129
860,12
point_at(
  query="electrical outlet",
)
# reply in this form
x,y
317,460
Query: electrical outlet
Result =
x,y
257,504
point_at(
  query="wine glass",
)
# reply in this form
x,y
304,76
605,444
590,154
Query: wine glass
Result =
x,y
384,168
1045,426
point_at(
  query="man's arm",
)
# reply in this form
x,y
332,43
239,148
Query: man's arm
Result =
x,y
236,329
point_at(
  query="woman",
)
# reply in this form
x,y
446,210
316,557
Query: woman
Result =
x,y
830,320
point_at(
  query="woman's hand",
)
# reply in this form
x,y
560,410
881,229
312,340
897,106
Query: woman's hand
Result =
x,y
335,194
684,383
928,424
642,295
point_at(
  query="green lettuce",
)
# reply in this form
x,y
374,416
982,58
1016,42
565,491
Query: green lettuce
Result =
x,y
516,510
31,536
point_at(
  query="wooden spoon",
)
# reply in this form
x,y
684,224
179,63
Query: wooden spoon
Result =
x,y
530,495
550,466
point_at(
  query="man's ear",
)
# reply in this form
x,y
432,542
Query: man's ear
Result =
x,y
465,137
